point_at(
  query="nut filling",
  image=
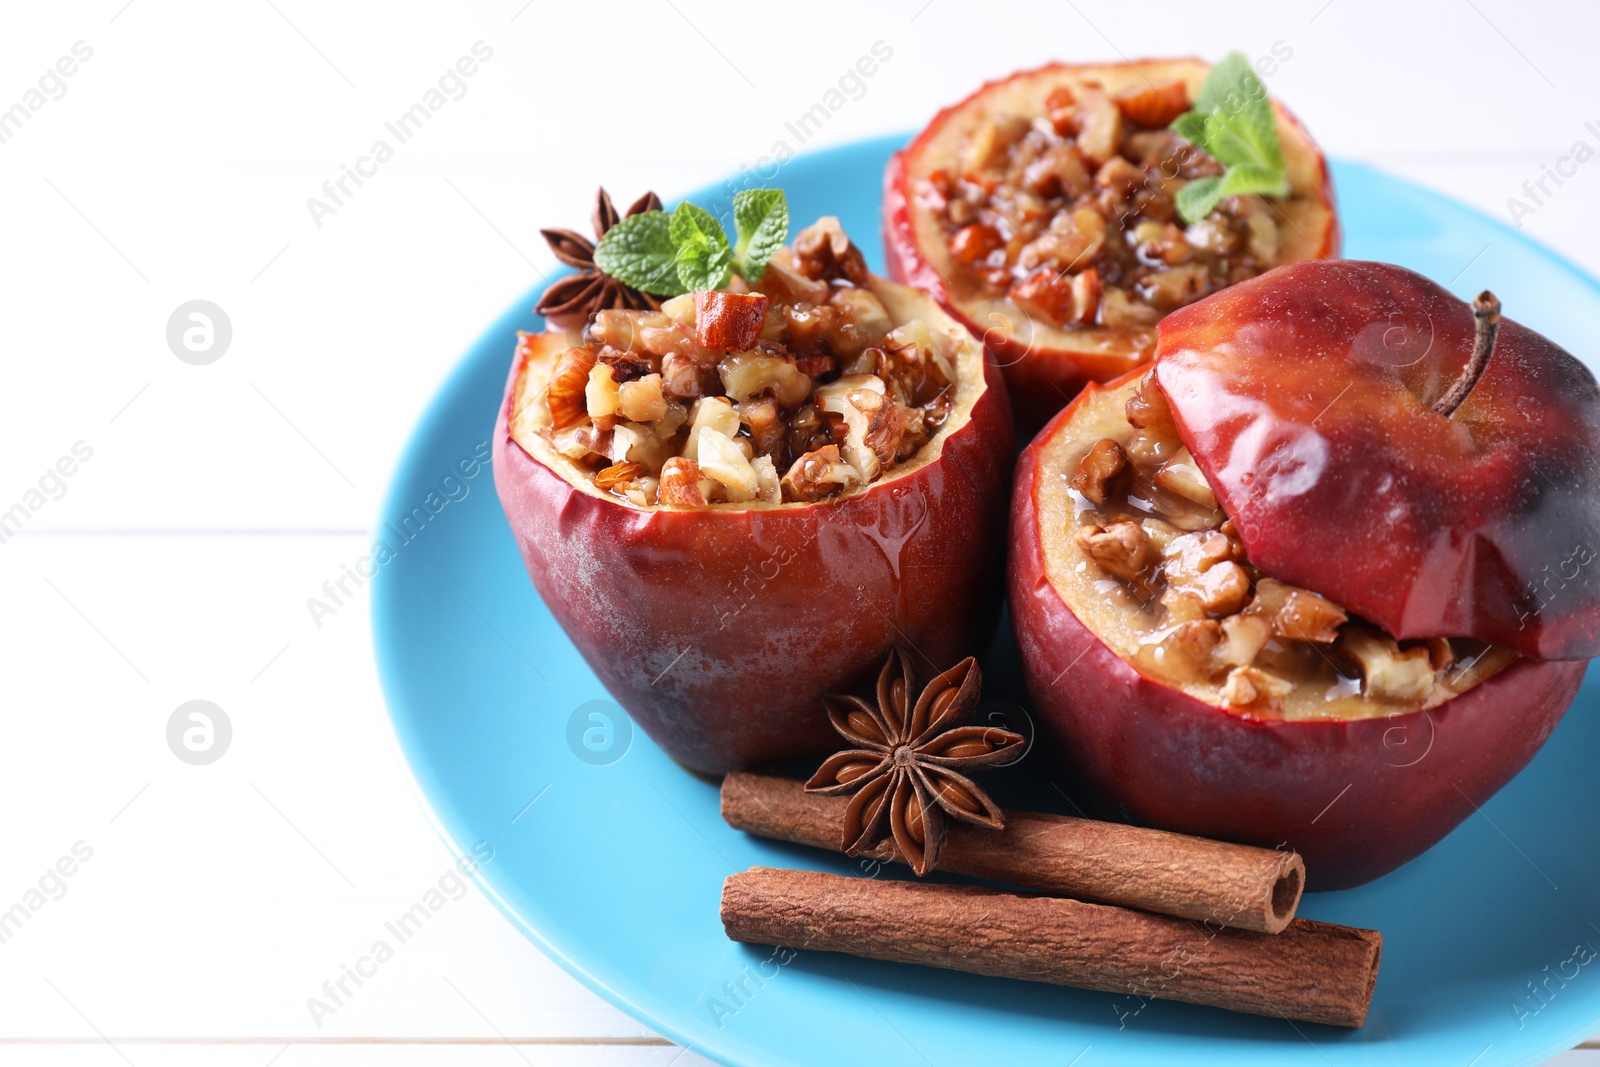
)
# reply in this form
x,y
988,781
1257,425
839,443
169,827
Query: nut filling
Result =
x,y
1072,213
1178,592
797,389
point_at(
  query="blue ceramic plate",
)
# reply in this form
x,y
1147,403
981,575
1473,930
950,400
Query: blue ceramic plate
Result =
x,y
610,857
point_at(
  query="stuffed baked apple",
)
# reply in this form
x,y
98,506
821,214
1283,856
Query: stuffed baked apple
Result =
x,y
740,494
1061,212
1322,575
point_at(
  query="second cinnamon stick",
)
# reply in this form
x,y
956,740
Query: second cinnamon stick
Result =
x,y
1215,882
1312,971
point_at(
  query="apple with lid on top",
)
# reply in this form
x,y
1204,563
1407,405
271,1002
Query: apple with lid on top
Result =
x,y
1323,575
1050,212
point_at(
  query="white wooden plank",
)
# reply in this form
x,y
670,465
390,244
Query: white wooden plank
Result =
x,y
491,1052
219,898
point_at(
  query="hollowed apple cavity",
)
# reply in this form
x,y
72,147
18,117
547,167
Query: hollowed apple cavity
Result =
x,y
1041,211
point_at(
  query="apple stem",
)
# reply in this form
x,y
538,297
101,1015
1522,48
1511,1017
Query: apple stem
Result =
x,y
1486,311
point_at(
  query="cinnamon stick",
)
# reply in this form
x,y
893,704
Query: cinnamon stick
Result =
x,y
1312,971
1191,877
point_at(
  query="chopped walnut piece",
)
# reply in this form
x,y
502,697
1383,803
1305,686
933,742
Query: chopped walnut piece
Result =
x,y
1104,472
1243,638
1118,309
765,422
818,475
1060,170
1122,549
1162,242
750,374
728,322
1074,239
1155,437
786,285
1390,674
1297,614
823,252
839,404
1118,178
1178,606
1099,125
680,484
1180,474
1223,588
722,459
1190,555
641,400
600,393
712,412
1153,105
683,378
807,431
1176,286
886,423
1252,687
1184,651
633,442
565,394
618,328
625,368
1147,408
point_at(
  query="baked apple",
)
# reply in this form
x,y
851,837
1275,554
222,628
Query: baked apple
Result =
x,y
1044,212
745,498
1321,575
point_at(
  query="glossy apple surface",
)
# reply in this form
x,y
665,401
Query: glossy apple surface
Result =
x,y
718,629
1305,396
1045,365
1355,798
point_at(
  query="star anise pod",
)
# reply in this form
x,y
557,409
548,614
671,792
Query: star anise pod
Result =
x,y
906,769
572,301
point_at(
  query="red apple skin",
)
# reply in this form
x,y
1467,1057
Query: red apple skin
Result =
x,y
1046,367
1305,397
1355,799
719,630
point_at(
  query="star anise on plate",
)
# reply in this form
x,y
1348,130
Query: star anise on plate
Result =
x,y
908,769
572,301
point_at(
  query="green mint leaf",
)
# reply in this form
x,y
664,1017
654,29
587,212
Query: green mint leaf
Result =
x,y
1247,136
1233,120
639,252
1227,85
1250,178
762,218
1196,199
1191,126
703,259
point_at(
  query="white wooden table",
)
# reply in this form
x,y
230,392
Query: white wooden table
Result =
x,y
174,563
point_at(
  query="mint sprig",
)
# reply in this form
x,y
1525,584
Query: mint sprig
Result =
x,y
668,254
639,252
703,257
1233,120
762,216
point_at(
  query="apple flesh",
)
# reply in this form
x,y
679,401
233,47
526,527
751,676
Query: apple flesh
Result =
x,y
718,629
1046,364
1305,396
1356,796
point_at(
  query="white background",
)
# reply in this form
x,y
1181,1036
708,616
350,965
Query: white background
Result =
x,y
177,564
